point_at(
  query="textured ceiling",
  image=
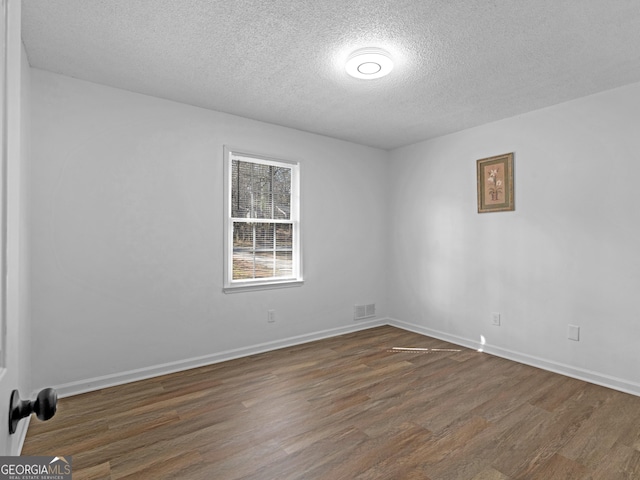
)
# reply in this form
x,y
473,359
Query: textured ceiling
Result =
x,y
458,63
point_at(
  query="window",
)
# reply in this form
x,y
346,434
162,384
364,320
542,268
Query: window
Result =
x,y
262,224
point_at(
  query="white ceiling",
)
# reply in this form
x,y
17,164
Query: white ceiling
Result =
x,y
458,63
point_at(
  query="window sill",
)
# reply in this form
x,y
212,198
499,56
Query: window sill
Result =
x,y
250,287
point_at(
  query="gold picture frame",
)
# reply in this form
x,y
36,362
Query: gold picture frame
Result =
x,y
495,183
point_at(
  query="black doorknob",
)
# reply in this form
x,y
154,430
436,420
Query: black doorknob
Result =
x,y
44,406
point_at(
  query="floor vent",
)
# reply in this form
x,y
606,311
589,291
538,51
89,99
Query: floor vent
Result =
x,y
364,311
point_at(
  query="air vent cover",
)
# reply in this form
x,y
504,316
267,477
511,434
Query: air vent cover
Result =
x,y
364,311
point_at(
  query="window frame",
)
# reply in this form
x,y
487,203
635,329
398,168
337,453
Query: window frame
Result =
x,y
296,279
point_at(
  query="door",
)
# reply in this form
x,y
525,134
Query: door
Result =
x,y
13,315
5,375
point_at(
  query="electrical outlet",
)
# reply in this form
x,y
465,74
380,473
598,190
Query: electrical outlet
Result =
x,y
573,332
271,316
495,319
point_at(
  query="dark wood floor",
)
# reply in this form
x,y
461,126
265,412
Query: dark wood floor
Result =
x,y
351,408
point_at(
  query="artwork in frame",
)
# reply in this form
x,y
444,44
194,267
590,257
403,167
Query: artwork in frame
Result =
x,y
495,183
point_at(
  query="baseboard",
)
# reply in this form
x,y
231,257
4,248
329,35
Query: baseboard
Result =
x,y
21,435
597,378
105,381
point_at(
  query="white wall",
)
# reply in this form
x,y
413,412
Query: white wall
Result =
x,y
127,241
569,254
127,236
17,342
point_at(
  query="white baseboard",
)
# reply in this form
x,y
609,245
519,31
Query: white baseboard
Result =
x,y
550,365
21,434
105,381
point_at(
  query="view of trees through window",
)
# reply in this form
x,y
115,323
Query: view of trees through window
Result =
x,y
262,226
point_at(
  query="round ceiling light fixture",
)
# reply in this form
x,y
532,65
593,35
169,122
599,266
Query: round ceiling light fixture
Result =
x,y
369,63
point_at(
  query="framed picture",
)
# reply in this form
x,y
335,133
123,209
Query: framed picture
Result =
x,y
495,183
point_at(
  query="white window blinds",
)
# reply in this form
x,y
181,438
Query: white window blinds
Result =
x,y
262,232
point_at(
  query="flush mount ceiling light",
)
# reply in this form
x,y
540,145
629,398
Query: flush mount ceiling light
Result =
x,y
369,63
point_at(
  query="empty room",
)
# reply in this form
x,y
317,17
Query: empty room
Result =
x,y
320,239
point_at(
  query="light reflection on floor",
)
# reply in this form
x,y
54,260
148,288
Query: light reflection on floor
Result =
x,y
421,350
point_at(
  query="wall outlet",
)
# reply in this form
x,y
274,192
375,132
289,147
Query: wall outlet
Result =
x,y
573,332
495,319
271,316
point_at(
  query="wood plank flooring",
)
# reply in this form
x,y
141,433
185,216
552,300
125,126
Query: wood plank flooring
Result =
x,y
351,408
